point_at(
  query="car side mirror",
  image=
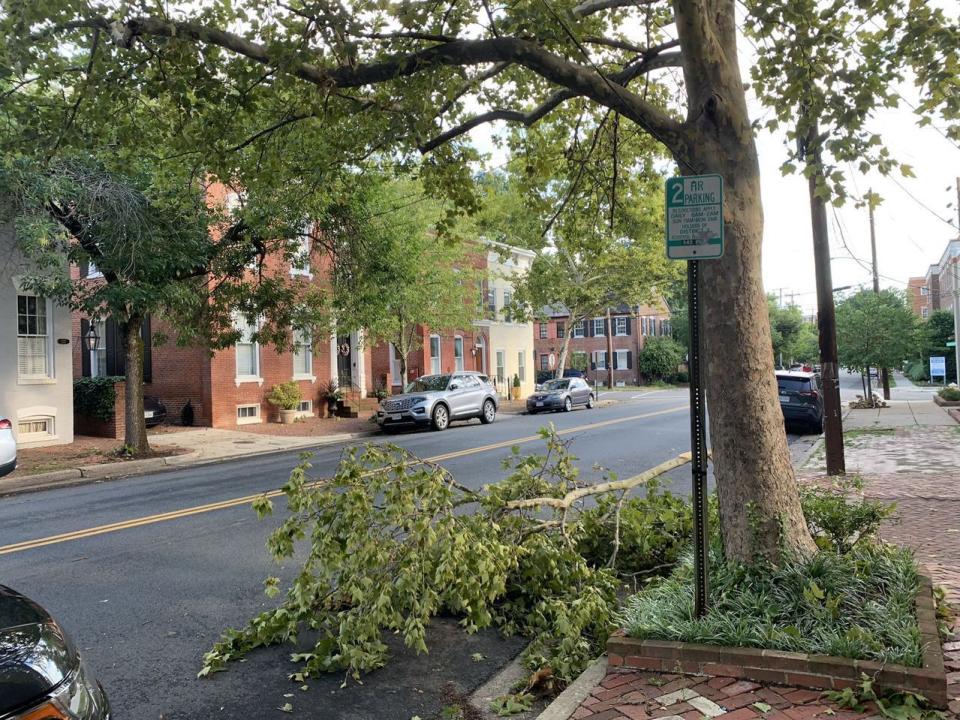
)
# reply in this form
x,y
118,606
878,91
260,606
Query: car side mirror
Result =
x,y
454,386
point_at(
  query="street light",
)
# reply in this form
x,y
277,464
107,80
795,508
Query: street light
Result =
x,y
92,339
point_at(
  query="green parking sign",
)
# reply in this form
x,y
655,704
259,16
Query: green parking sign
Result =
x,y
694,217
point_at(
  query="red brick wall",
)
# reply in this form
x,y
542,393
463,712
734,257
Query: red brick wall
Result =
x,y
917,299
83,425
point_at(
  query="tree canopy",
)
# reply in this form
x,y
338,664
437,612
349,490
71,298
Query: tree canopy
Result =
x,y
875,330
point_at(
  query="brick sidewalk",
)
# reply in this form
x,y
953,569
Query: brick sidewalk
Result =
x,y
927,519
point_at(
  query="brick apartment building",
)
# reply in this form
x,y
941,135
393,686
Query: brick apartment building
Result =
x,y
935,290
228,387
627,327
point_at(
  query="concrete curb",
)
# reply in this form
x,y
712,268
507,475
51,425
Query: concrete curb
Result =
x,y
569,700
89,474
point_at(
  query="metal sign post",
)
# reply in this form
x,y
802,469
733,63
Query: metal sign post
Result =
x,y
694,233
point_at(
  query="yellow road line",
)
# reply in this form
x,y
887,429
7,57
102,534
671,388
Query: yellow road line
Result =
x,y
233,502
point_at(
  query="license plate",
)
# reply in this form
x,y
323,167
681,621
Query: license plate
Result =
x,y
539,404
784,398
395,416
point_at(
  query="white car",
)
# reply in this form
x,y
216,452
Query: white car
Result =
x,y
8,447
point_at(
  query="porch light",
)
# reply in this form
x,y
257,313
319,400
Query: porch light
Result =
x,y
92,339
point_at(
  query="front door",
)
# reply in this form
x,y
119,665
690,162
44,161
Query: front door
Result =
x,y
344,364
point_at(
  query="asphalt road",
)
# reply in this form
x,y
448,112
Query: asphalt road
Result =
x,y
149,574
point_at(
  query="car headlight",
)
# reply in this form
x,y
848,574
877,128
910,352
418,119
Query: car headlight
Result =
x,y
418,400
76,697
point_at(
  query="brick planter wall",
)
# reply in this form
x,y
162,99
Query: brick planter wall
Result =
x,y
820,672
945,403
85,425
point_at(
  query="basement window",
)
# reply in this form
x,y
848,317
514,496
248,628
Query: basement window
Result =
x,y
247,414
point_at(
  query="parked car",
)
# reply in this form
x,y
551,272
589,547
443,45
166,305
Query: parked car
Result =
x,y
8,447
561,394
801,399
154,411
437,400
42,675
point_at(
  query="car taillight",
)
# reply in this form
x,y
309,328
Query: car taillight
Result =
x,y
5,424
812,393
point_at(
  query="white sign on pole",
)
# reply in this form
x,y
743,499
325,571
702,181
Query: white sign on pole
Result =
x,y
938,367
694,217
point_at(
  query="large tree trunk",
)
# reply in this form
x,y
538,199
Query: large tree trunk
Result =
x,y
134,424
760,513
564,350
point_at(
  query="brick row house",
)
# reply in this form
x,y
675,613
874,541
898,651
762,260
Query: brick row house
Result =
x,y
935,290
627,328
228,388
497,343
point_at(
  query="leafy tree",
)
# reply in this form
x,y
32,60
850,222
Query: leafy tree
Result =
x,y
786,324
875,330
279,99
934,335
806,345
392,274
660,357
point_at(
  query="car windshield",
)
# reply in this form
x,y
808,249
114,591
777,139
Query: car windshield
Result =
x,y
556,385
429,383
793,384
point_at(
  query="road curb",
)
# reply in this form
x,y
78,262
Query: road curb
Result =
x,y
569,700
89,474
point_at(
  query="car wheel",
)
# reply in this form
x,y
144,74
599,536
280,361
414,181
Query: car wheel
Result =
x,y
441,418
489,412
567,404
590,402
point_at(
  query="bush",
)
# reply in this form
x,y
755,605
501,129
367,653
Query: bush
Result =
x,y
285,396
659,358
917,372
950,393
95,397
516,381
543,375
858,605
836,521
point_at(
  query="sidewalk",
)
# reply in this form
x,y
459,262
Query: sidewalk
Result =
x,y
906,454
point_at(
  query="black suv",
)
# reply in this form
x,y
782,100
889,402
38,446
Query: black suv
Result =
x,y
801,399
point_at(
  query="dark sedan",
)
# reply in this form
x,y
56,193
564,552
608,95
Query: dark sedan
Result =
x,y
41,674
154,411
800,399
563,394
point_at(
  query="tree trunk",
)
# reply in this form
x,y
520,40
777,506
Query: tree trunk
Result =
x,y
760,513
564,349
134,424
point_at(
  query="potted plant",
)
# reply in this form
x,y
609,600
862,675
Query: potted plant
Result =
x,y
286,398
331,393
380,390
515,392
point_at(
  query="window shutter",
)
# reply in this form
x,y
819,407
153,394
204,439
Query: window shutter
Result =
x,y
147,350
84,352
629,322
615,356
588,327
113,344
607,330
629,360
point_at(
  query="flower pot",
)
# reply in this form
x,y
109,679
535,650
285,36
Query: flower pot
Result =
x,y
287,417
331,408
515,393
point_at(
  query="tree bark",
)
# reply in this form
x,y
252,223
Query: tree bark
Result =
x,y
134,424
564,349
760,513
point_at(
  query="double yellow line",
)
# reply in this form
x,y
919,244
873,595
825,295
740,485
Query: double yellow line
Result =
x,y
233,502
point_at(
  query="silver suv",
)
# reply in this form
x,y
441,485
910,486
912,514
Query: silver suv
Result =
x,y
435,400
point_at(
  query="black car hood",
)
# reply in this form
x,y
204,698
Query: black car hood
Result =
x,y
35,654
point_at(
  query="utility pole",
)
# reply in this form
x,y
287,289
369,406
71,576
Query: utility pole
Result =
x,y
884,378
609,350
826,317
956,297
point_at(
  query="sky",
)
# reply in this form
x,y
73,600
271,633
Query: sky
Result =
x,y
911,232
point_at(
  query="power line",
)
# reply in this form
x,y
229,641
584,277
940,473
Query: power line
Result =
x,y
922,204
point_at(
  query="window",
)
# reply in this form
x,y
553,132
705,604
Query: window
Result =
x,y
600,360
620,326
248,351
507,309
621,360
924,290
93,271
544,362
522,365
302,354
300,262
598,327
98,357
492,302
501,366
36,428
33,338
578,329
561,330
306,406
544,333
247,414
458,354
924,312
435,354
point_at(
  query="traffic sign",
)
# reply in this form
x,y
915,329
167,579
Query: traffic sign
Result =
x,y
938,367
694,217
951,343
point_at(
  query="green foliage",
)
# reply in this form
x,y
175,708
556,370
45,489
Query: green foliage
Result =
x,y
285,396
859,604
331,392
512,704
95,396
875,330
516,381
660,358
392,542
837,518
949,393
894,705
917,371
786,326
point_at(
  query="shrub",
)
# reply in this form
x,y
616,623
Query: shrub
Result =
x,y
95,397
285,396
950,393
660,357
516,381
917,371
837,520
